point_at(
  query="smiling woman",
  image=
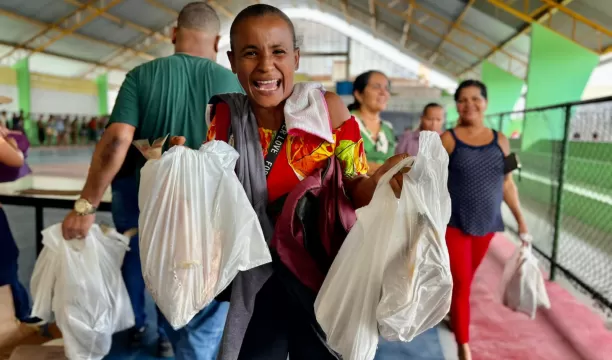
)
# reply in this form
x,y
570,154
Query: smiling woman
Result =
x,y
264,61
478,183
300,127
371,93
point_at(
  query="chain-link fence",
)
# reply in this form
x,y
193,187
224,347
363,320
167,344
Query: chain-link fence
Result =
x,y
565,185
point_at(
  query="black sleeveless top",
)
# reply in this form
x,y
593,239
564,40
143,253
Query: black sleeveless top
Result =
x,y
475,183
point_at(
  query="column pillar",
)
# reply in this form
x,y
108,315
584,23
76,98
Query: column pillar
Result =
x,y
559,70
24,100
102,82
504,90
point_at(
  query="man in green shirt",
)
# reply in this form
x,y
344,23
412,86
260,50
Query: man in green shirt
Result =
x,y
167,96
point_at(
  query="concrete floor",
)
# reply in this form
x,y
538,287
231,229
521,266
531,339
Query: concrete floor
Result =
x,y
569,331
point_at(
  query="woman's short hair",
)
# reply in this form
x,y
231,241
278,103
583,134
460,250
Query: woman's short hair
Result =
x,y
260,10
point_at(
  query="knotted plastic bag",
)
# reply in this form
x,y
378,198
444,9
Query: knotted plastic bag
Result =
x,y
393,267
80,281
417,282
197,228
523,284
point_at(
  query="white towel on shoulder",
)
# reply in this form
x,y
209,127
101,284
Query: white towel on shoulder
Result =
x,y
306,110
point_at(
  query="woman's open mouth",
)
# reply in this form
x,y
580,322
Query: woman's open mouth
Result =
x,y
267,85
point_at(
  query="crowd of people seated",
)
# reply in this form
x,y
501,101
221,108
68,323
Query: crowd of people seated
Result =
x,y
54,129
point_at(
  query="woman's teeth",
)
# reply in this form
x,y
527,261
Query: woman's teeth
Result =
x,y
267,85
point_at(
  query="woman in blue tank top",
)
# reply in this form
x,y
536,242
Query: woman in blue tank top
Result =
x,y
477,186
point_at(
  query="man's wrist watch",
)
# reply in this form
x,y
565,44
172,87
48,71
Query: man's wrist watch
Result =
x,y
83,207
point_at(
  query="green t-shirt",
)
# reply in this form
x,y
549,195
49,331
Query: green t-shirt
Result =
x,y
379,150
169,96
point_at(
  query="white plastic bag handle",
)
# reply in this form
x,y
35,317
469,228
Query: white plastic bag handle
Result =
x,y
526,237
386,177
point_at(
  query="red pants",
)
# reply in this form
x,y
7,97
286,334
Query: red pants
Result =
x,y
465,252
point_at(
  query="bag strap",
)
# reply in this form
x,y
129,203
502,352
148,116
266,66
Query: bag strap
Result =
x,y
223,125
274,148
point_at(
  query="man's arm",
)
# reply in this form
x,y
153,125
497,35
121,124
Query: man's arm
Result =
x,y
107,159
112,149
108,156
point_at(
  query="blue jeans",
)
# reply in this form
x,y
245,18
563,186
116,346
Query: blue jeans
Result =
x,y
21,299
125,212
8,269
198,340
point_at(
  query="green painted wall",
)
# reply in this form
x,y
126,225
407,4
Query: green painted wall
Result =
x,y
102,82
22,67
559,70
504,90
451,111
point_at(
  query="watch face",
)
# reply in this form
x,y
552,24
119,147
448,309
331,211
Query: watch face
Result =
x,y
81,206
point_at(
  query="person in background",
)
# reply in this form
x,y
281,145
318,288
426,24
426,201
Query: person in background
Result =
x,y
92,130
477,185
60,128
83,131
11,156
74,131
165,96
371,93
40,125
18,121
431,120
3,119
50,129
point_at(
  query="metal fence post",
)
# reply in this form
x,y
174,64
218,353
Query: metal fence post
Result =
x,y
560,186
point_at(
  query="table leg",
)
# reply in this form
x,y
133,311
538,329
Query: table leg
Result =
x,y
39,229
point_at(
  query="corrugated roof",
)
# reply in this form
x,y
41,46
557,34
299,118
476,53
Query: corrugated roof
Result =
x,y
453,36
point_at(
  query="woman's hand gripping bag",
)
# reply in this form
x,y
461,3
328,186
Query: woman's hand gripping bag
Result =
x,y
523,285
197,228
90,300
380,250
346,304
417,282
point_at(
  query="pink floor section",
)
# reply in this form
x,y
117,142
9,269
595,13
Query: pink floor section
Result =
x,y
568,331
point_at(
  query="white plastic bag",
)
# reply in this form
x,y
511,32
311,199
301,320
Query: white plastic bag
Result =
x,y
523,284
42,283
417,282
197,228
82,279
392,244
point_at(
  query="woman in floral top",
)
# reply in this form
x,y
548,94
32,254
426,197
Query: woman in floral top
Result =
x,y
304,154
265,55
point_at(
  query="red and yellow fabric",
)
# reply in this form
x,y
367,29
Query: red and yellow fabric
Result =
x,y
302,155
